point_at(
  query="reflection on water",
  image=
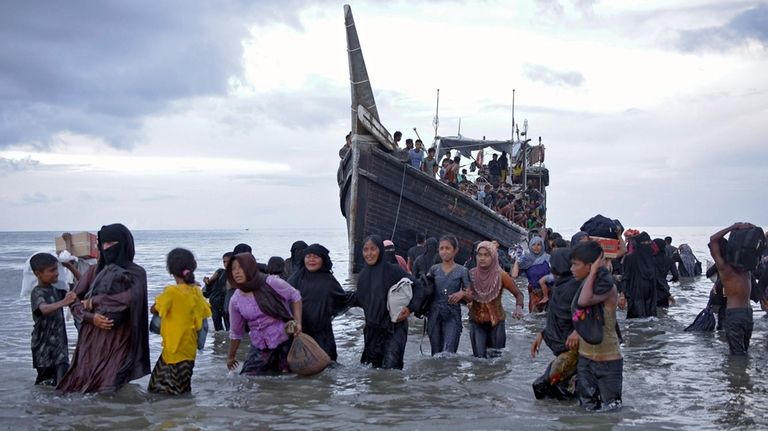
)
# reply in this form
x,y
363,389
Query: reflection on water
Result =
x,y
672,379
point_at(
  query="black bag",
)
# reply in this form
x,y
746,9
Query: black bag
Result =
x,y
704,322
588,321
427,282
745,248
601,226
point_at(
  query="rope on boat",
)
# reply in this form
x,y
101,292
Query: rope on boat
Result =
x,y
397,214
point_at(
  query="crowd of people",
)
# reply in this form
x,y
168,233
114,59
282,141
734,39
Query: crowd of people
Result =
x,y
497,184
573,282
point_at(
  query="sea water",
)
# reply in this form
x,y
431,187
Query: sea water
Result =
x,y
672,379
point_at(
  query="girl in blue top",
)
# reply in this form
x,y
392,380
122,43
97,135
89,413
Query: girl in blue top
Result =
x,y
451,282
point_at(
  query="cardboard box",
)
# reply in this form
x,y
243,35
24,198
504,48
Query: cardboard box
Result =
x,y
610,246
84,245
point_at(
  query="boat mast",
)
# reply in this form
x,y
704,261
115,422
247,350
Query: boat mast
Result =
x,y
360,86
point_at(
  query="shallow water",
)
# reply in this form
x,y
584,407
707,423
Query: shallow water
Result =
x,y
672,379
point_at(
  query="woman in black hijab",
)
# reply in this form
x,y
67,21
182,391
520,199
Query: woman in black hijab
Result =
x,y
322,297
110,351
427,259
639,280
664,265
384,340
296,262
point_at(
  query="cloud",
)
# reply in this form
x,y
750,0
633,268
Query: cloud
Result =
x,y
556,8
38,198
537,72
99,69
750,25
8,165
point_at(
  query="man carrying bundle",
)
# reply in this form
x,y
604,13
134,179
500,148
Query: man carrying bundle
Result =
x,y
734,265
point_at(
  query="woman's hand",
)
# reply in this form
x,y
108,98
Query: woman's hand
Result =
x,y
232,363
88,304
518,313
404,314
297,331
456,297
572,341
536,344
102,322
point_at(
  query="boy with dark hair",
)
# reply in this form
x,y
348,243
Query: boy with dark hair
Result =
x,y
429,164
557,381
600,365
49,335
416,251
737,286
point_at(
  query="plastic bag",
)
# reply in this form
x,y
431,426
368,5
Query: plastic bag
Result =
x,y
306,357
399,296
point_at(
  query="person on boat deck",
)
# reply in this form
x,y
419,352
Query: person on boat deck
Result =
x,y
687,264
503,167
517,173
451,284
391,256
416,155
487,328
416,251
429,164
664,266
110,351
494,170
452,172
535,265
737,286
428,257
396,137
638,292
489,198
409,145
322,297
670,250
266,303
384,340
558,379
296,260
462,177
600,367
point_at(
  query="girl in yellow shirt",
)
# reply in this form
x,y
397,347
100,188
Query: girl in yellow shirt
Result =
x,y
182,309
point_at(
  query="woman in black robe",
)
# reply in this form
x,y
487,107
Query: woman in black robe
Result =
x,y
639,280
110,351
384,340
427,259
664,266
322,297
296,261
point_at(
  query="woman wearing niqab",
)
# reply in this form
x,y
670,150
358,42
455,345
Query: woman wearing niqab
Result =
x,y
110,351
664,266
322,297
296,261
384,340
687,264
639,280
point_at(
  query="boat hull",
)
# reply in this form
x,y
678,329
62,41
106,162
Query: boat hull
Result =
x,y
383,195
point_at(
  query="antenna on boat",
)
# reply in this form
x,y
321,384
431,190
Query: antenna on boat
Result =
x,y
417,134
513,115
458,132
436,120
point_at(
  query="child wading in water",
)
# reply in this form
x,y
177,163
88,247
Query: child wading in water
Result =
x,y
451,284
49,336
182,310
601,366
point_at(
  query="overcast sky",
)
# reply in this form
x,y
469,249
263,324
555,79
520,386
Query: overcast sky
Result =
x,y
196,114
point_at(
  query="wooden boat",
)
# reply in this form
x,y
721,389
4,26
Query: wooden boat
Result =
x,y
382,194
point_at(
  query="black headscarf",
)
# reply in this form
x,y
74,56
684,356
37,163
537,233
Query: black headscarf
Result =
x,y
373,285
560,262
427,258
242,248
120,254
297,254
268,300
